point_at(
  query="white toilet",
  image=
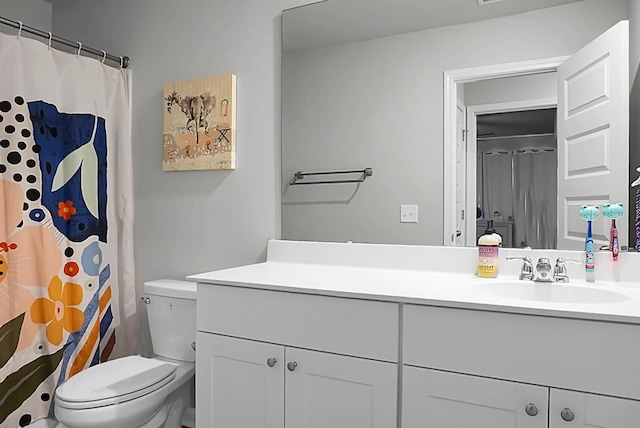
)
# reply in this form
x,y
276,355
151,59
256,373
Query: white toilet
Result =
x,y
139,392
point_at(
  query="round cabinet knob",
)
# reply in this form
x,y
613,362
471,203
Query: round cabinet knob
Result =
x,y
272,362
292,366
567,415
531,409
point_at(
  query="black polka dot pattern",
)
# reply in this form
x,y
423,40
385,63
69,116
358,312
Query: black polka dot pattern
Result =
x,y
18,151
33,194
25,420
14,158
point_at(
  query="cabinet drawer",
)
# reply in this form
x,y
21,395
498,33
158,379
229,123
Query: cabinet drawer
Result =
x,y
583,355
432,398
344,326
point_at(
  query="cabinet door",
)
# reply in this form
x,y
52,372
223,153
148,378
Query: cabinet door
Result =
x,y
236,387
327,390
570,409
446,400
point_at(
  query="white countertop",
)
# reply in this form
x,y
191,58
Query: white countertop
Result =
x,y
427,287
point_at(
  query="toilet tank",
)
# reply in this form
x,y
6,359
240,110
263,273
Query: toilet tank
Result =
x,y
171,311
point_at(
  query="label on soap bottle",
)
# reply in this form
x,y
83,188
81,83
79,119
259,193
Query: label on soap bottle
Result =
x,y
488,261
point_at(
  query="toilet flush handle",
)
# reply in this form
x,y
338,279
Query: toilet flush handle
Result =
x,y
146,300
193,346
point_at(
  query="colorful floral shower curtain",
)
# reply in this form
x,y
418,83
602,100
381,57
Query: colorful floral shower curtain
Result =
x,y
67,283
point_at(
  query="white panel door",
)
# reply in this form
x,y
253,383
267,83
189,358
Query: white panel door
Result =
x,y
570,409
236,386
593,135
434,399
327,390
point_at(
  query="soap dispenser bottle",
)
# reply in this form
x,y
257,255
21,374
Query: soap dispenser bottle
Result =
x,y
488,246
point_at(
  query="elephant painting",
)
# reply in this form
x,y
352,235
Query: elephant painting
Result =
x,y
199,114
197,109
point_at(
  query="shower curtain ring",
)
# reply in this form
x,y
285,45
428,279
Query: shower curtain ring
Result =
x,y
121,63
104,56
79,48
20,29
49,43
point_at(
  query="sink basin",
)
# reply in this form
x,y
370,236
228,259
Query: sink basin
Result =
x,y
548,292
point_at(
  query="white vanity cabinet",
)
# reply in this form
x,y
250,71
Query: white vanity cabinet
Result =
x,y
274,359
490,369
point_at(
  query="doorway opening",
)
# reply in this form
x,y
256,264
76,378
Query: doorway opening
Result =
x,y
458,224
516,173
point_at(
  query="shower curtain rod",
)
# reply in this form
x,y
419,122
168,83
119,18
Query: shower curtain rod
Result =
x,y
503,137
122,61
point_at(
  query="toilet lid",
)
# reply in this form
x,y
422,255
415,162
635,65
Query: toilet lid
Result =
x,y
115,381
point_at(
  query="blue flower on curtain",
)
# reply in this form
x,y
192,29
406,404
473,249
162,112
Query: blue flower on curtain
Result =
x,y
72,152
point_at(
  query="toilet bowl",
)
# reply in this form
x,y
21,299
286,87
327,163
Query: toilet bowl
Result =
x,y
134,391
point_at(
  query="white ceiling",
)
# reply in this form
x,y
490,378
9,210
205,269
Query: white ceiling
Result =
x,y
334,22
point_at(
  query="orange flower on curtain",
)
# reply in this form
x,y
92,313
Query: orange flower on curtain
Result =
x,y
30,258
66,209
58,310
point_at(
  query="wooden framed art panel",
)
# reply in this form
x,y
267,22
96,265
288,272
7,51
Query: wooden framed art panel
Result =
x,y
199,124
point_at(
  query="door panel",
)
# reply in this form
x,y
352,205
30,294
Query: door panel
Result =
x,y
326,390
591,411
593,135
447,400
236,387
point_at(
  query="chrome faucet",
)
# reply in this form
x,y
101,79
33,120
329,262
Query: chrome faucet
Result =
x,y
543,271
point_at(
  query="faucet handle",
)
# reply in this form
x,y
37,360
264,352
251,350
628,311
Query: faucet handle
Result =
x,y
562,260
524,259
560,273
526,270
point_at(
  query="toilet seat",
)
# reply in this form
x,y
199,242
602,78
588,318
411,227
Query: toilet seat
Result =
x,y
114,382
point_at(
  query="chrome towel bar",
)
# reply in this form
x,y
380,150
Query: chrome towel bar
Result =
x,y
300,175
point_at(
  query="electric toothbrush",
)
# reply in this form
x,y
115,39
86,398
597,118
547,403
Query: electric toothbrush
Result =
x,y
589,213
614,212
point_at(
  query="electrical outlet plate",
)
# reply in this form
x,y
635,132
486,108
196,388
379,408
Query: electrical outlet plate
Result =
x,y
408,213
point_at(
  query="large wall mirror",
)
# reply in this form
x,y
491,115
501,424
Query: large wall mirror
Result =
x,y
363,88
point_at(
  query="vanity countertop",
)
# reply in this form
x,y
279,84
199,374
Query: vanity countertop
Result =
x,y
400,282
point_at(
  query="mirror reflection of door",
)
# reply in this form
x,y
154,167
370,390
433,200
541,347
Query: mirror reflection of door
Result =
x,y
592,90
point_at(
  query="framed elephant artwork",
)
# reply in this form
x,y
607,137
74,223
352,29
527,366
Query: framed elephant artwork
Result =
x,y
199,124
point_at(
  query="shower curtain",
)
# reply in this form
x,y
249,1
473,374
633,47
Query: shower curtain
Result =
x,y
523,188
67,284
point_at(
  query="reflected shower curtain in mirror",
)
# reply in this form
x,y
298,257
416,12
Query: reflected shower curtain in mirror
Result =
x,y
523,188
67,284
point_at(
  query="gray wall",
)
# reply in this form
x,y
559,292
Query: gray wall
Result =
x,y
189,222
34,13
379,104
508,89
